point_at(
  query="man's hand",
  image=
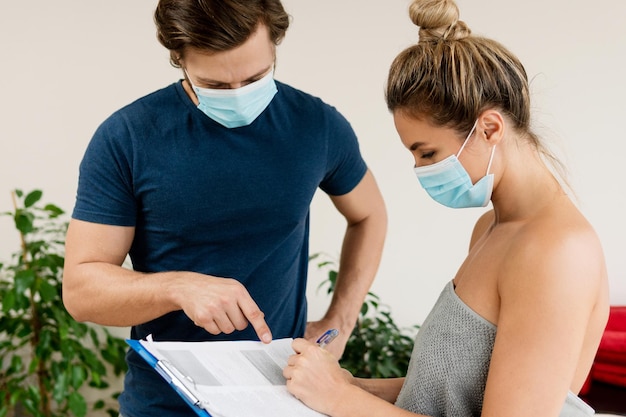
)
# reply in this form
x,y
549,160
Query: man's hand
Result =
x,y
221,305
315,329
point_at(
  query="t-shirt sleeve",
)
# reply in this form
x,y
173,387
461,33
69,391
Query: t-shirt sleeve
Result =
x,y
346,167
105,186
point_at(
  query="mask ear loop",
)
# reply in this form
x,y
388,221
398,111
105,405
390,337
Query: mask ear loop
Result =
x,y
191,86
467,138
493,152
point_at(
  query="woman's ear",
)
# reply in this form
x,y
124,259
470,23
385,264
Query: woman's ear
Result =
x,y
491,125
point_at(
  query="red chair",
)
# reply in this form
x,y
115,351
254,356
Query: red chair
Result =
x,y
609,365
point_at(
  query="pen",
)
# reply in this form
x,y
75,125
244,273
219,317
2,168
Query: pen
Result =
x,y
327,337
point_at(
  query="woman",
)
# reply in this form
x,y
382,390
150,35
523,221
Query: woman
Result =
x,y
515,332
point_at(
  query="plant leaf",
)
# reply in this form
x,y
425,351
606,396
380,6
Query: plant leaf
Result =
x,y
47,291
60,387
24,221
53,210
24,280
77,404
32,198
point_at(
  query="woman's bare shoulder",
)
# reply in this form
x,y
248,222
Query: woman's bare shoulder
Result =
x,y
557,249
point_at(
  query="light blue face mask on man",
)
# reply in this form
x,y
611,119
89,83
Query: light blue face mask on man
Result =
x,y
238,106
448,183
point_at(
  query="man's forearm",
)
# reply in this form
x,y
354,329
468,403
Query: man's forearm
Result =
x,y
111,295
360,257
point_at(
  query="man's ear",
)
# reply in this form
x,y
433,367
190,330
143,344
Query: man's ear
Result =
x,y
490,126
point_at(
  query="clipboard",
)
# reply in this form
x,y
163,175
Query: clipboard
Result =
x,y
226,378
172,376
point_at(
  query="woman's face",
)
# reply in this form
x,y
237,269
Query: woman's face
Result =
x,y
429,144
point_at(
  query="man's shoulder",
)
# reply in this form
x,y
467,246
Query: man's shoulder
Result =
x,y
306,105
164,97
291,94
155,107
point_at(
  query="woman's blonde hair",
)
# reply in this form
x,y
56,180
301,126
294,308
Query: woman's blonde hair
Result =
x,y
451,76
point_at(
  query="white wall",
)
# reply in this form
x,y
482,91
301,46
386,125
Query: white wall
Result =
x,y
67,64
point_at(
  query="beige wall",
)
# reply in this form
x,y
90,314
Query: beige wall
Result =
x,y
68,64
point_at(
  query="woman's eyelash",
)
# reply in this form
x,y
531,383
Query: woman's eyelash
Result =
x,y
428,155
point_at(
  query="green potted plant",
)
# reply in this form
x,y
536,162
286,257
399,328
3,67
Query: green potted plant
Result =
x,y
377,347
46,357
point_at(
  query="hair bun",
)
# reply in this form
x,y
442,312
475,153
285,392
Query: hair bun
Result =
x,y
438,20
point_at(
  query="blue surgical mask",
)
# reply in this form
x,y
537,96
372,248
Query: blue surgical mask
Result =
x,y
238,106
448,183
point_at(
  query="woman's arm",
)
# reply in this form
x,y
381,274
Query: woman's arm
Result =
x,y
384,388
549,285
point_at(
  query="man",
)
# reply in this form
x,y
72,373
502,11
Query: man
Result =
x,y
207,185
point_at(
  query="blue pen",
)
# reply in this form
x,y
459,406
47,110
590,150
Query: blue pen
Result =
x,y
327,337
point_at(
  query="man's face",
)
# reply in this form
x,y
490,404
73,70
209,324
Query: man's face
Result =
x,y
234,68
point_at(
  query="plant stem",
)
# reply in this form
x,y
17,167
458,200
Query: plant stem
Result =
x,y
42,372
22,239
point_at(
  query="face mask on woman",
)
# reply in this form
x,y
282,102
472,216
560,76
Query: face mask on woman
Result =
x,y
448,183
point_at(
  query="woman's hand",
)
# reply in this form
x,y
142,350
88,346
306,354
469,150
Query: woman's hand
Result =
x,y
315,377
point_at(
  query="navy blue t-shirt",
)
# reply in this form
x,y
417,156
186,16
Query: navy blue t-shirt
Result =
x,y
225,202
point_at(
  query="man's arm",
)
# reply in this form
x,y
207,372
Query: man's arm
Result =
x,y
98,289
366,215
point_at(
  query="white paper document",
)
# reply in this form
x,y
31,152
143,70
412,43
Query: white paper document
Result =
x,y
231,379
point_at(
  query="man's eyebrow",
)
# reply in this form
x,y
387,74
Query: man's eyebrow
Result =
x,y
251,78
260,73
